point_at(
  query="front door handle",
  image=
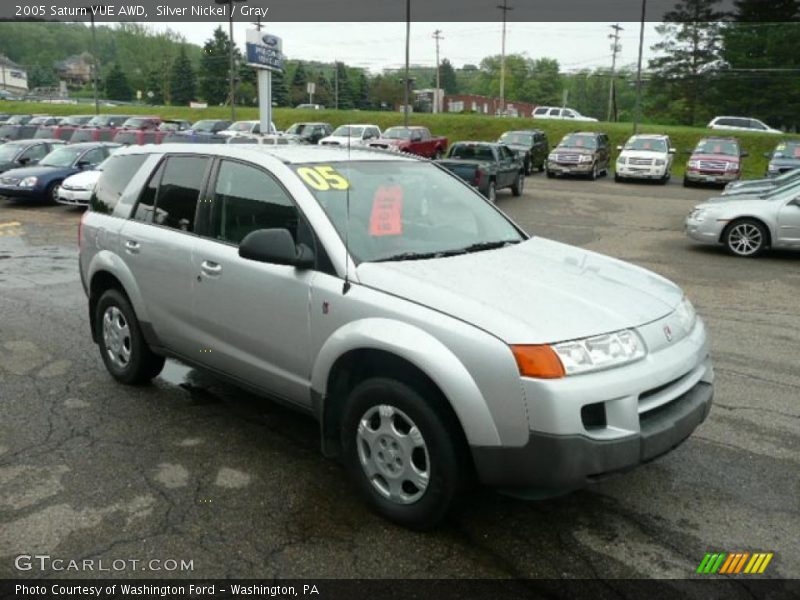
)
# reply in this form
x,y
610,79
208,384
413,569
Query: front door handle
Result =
x,y
211,268
132,246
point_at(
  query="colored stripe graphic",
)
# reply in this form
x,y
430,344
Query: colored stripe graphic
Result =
x,y
711,562
734,563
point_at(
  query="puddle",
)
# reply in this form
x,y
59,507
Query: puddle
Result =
x,y
193,381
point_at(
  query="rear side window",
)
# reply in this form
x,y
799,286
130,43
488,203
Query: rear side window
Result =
x,y
170,198
116,175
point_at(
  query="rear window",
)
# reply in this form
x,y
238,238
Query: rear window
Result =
x,y
117,172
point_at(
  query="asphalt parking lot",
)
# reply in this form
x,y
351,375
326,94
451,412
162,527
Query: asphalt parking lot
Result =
x,y
190,469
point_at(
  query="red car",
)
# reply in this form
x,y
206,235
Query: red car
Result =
x,y
64,129
101,128
414,140
140,130
715,160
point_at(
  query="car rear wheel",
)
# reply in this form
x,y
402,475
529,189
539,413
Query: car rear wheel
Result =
x,y
401,452
52,192
491,193
594,173
123,348
550,174
519,185
618,178
746,238
687,183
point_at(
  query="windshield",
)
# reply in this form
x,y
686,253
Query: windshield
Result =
x,y
104,120
8,152
726,147
520,139
348,131
63,157
471,152
74,121
172,126
788,189
136,123
39,120
648,144
397,133
404,210
578,141
204,125
241,126
18,120
787,150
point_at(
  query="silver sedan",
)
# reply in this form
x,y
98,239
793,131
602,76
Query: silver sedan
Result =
x,y
747,225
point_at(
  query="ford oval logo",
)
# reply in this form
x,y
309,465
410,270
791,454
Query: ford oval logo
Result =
x,y
270,40
668,333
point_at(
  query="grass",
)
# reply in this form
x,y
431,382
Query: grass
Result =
x,y
454,126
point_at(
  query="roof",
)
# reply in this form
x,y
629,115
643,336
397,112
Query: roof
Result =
x,y
649,135
524,131
289,154
477,143
87,145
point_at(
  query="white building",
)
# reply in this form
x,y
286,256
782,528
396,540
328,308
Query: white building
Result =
x,y
12,77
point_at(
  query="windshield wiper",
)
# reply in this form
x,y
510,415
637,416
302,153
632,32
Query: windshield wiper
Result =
x,y
480,246
409,256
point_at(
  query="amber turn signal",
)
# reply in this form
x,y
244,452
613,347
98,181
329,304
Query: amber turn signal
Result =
x,y
540,361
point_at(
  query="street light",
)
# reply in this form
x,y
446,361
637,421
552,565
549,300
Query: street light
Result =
x,y
231,84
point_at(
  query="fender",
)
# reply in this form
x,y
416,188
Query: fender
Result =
x,y
106,260
426,353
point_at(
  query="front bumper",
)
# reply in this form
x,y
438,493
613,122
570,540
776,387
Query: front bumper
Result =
x,y
634,172
20,192
74,197
707,231
566,462
711,177
569,168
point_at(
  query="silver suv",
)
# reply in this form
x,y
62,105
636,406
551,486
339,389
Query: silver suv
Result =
x,y
436,343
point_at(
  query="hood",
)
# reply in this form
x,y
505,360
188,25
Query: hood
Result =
x,y
83,179
785,162
37,171
535,292
5,166
571,150
750,195
649,154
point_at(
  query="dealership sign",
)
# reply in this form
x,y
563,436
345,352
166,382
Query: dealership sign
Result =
x,y
264,50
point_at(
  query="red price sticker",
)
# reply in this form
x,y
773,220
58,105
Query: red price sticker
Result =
x,y
387,212
797,151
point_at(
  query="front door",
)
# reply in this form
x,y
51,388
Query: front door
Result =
x,y
789,223
253,317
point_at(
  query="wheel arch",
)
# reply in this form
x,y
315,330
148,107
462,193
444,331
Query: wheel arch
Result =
x,y
723,234
383,347
107,271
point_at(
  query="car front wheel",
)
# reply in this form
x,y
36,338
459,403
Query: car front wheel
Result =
x,y
401,452
123,348
746,238
519,185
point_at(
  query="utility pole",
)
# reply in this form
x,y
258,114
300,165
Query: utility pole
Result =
x,y
408,47
505,8
336,84
94,63
437,35
637,113
615,47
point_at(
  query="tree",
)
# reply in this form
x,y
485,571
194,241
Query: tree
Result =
x,y
689,49
447,77
386,91
183,84
297,92
543,85
214,68
117,86
280,93
361,94
345,95
324,92
154,88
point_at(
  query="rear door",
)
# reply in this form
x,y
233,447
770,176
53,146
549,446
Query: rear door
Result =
x,y
253,317
156,245
508,170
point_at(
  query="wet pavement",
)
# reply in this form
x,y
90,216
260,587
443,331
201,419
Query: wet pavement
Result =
x,y
193,469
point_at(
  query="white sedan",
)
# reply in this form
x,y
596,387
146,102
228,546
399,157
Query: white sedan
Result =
x,y
77,190
358,135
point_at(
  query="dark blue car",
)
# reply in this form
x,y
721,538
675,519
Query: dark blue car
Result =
x,y
42,181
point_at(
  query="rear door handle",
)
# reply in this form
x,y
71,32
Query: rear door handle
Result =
x,y
132,246
209,267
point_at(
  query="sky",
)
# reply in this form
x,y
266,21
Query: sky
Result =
x,y
377,46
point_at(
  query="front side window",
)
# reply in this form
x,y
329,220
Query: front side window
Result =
x,y
170,197
37,152
117,173
247,199
404,210
94,157
62,157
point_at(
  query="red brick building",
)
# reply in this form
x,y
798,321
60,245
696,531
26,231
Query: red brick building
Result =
x,y
486,105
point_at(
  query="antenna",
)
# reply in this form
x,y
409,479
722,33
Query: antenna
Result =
x,y
346,286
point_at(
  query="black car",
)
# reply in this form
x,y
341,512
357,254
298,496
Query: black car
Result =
x,y
25,153
205,131
312,133
785,157
485,166
529,144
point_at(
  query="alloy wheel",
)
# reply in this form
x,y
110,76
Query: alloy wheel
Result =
x,y
745,239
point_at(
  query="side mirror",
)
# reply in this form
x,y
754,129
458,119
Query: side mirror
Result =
x,y
83,164
619,148
276,246
23,161
672,150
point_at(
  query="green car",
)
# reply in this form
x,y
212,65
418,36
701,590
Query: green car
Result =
x,y
486,166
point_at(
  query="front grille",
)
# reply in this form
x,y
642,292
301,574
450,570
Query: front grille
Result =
x,y
641,162
712,165
330,143
568,158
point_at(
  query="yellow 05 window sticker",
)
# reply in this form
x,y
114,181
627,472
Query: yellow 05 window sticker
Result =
x,y
323,178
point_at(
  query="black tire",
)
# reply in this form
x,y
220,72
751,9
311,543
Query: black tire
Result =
x,y
593,173
519,185
445,464
665,179
143,364
541,166
52,192
687,183
746,238
618,178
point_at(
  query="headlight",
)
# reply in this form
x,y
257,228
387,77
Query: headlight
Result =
x,y
552,156
660,162
693,164
621,160
772,169
579,356
686,314
731,166
28,182
698,214
586,158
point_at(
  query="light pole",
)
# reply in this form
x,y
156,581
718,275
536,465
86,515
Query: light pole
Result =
x,y
637,113
437,35
231,76
408,46
505,8
615,47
